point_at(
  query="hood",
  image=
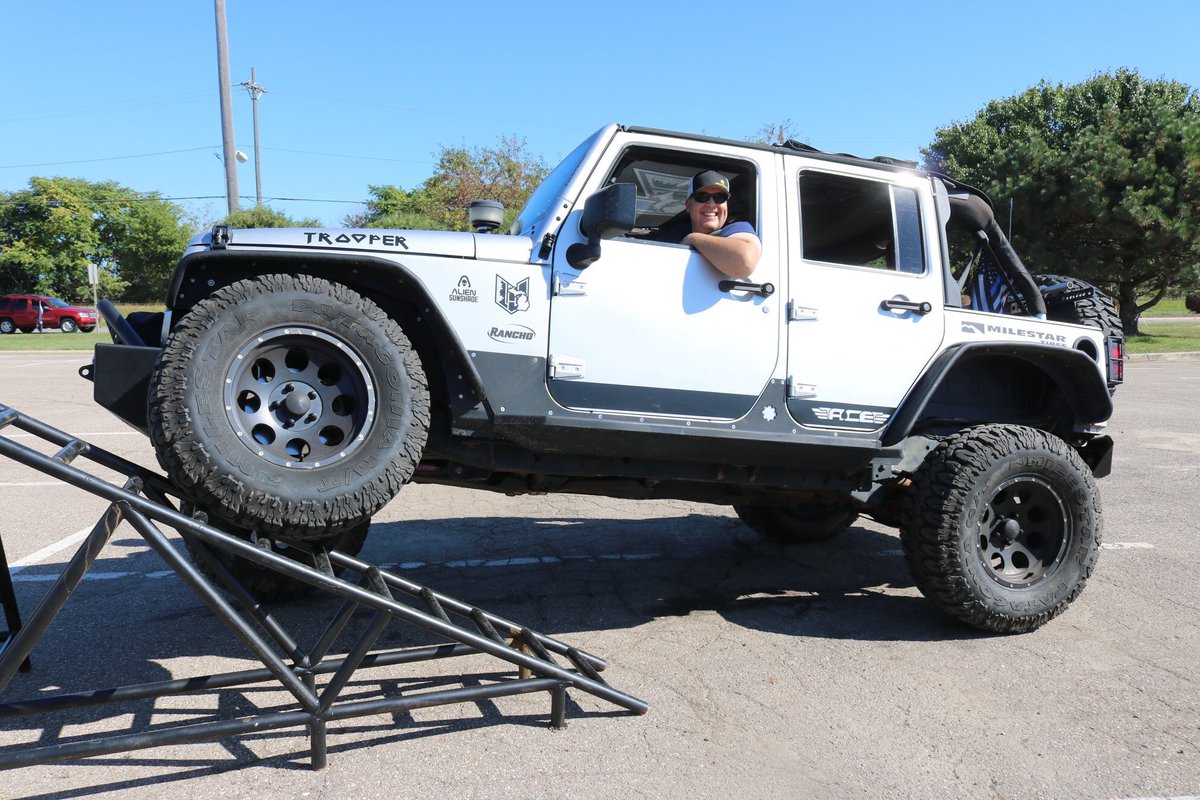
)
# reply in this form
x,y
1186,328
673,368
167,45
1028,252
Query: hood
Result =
x,y
368,240
453,244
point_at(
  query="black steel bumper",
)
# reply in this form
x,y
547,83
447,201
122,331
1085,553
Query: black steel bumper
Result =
x,y
120,376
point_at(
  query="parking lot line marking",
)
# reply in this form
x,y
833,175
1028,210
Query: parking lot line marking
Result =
x,y
32,483
404,566
48,550
77,435
1126,546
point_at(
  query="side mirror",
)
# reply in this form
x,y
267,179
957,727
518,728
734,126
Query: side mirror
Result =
x,y
610,212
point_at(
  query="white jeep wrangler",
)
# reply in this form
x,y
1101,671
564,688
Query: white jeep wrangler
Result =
x,y
872,364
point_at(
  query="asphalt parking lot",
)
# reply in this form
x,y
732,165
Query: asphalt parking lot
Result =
x,y
811,671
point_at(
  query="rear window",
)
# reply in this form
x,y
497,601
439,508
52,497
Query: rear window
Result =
x,y
860,223
4,303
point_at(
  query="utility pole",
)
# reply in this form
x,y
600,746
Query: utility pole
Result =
x,y
255,91
230,159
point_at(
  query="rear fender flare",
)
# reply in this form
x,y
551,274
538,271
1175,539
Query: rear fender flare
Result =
x,y
1072,370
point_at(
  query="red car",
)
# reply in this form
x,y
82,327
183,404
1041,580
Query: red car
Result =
x,y
20,312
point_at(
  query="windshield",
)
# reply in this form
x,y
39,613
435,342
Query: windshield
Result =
x,y
54,301
552,188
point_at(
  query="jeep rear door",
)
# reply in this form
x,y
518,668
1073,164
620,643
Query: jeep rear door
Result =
x,y
646,329
865,289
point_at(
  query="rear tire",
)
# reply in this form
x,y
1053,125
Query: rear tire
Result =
x,y
1003,527
289,405
7,326
796,524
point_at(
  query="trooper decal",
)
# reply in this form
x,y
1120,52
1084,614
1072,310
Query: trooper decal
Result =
x,y
512,297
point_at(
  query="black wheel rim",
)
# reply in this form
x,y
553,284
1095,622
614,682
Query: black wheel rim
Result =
x,y
1024,532
299,398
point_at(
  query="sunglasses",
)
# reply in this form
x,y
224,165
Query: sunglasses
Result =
x,y
710,197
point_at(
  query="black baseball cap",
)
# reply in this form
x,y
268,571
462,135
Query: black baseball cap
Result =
x,y
708,178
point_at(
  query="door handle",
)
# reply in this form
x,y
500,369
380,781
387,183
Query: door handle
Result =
x,y
761,289
902,303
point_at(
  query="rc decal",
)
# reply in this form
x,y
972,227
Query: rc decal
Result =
x,y
850,415
512,297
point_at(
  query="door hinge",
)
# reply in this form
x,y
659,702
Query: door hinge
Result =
x,y
797,390
565,367
796,313
569,288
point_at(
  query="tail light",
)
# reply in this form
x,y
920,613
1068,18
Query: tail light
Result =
x,y
1116,360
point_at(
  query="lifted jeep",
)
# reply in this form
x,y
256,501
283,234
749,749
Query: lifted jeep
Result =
x,y
889,357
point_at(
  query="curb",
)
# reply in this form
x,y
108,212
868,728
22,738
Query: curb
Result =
x,y
1185,355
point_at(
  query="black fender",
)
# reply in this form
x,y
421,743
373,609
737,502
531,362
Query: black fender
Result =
x,y
1073,371
384,281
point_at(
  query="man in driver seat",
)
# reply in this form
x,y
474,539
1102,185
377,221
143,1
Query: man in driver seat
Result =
x,y
733,248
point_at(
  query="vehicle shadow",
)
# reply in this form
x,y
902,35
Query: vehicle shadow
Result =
x,y
552,575
133,621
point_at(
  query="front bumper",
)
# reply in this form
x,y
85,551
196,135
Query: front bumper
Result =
x,y
120,376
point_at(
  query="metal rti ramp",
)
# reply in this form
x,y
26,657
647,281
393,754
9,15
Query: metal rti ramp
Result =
x,y
313,676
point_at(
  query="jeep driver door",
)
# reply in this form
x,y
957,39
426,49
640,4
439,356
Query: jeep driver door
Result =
x,y
867,296
647,328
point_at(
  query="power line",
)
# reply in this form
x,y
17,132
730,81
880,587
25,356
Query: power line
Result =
x,y
105,158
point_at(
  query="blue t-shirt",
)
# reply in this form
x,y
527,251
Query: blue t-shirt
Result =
x,y
674,234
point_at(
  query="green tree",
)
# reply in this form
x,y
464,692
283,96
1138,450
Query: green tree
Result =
x,y
51,232
265,217
507,173
1104,177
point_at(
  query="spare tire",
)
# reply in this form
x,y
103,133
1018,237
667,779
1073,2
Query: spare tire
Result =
x,y
288,405
1079,302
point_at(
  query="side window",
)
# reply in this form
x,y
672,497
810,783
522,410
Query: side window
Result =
x,y
860,223
662,176
4,303
20,304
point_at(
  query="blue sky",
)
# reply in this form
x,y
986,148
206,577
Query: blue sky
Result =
x,y
367,92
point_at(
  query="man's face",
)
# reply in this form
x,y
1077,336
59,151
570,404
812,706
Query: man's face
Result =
x,y
708,216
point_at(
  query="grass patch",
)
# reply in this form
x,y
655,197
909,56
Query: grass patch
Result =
x,y
1165,337
1168,307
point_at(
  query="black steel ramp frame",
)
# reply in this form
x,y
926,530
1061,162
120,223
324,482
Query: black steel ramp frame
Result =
x,y
143,501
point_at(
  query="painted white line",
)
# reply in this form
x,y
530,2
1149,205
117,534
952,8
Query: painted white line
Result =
x,y
34,483
1126,546
49,550
405,566
78,435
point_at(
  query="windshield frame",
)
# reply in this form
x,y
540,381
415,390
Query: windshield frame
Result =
x,y
538,216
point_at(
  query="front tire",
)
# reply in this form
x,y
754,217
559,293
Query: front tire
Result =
x,y
1003,527
268,585
289,405
67,325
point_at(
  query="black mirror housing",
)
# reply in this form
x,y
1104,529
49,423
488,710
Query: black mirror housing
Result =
x,y
610,212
